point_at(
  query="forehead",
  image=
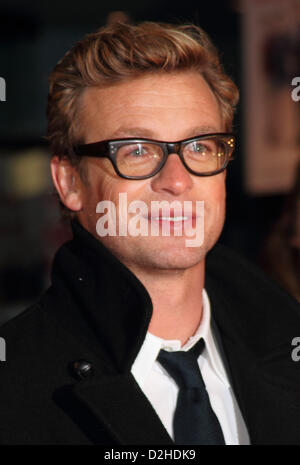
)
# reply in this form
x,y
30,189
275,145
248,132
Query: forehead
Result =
x,y
162,106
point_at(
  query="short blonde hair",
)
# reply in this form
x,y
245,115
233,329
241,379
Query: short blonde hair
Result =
x,y
119,52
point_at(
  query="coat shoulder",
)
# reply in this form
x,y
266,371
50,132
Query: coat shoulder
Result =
x,y
248,303
238,276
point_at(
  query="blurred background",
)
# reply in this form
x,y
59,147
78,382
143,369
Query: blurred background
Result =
x,y
259,41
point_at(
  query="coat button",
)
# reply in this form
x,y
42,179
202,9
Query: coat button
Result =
x,y
82,369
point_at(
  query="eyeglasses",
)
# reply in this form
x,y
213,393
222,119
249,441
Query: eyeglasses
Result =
x,y
133,158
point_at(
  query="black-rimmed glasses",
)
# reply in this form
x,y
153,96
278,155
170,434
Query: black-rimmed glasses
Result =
x,y
134,158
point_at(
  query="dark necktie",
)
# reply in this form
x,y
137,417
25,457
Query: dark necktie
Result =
x,y
194,420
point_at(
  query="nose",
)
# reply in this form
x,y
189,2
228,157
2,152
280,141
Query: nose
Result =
x,y
173,177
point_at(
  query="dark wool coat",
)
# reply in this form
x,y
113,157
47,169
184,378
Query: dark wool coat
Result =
x,y
97,311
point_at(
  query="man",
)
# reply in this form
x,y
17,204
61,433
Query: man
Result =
x,y
147,111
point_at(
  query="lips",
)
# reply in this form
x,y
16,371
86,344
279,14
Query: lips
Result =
x,y
171,213
174,220
170,218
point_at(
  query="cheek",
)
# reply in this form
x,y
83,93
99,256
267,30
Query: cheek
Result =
x,y
100,187
212,189
103,186
220,195
214,195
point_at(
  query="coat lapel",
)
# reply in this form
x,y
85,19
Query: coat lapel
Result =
x,y
118,404
107,317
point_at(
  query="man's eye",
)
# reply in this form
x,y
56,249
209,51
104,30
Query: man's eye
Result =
x,y
136,150
200,148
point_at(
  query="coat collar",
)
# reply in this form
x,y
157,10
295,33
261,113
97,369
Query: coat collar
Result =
x,y
107,311
105,295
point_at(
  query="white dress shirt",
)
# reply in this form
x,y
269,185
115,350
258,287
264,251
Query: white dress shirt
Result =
x,y
161,390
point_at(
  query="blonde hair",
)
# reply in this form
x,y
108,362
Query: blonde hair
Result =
x,y
119,52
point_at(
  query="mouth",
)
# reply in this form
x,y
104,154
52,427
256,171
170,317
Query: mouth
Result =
x,y
174,221
170,218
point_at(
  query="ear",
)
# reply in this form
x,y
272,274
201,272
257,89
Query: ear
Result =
x,y
67,183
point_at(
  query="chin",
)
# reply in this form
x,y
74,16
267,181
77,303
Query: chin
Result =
x,y
164,255
160,253
177,259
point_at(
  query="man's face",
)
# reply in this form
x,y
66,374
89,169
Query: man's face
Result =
x,y
165,107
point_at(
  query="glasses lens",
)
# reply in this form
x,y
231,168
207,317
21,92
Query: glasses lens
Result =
x,y
138,159
208,155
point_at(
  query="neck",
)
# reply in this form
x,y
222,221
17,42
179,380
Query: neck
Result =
x,y
177,301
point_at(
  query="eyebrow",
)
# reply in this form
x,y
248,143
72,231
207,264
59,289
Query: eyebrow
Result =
x,y
148,133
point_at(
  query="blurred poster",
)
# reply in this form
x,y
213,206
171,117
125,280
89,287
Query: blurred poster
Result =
x,y
272,117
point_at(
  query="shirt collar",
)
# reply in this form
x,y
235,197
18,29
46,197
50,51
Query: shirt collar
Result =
x,y
152,345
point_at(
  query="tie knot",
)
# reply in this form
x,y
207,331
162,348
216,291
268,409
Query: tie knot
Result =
x,y
183,366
